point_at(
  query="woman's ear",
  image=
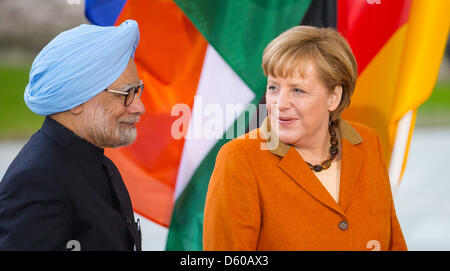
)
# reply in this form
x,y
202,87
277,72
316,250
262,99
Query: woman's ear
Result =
x,y
335,98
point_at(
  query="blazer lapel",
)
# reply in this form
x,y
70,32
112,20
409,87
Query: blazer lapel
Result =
x,y
352,161
124,202
294,166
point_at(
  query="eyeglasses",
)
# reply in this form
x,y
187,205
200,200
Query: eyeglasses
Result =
x,y
130,93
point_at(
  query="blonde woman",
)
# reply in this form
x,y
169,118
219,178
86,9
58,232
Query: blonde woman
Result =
x,y
324,186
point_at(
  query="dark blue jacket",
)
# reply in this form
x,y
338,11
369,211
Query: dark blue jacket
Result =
x,y
61,192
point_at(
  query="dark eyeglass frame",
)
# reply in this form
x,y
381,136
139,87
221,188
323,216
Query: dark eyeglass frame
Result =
x,y
130,93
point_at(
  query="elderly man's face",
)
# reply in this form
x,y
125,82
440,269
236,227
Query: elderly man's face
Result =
x,y
106,121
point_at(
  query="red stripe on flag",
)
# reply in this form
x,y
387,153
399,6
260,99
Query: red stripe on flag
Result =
x,y
169,59
368,24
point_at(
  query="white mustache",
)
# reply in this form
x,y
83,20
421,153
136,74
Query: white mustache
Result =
x,y
133,120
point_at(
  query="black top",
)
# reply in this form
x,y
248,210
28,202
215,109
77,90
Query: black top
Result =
x,y
61,188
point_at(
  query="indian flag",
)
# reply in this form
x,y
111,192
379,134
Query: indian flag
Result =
x,y
200,59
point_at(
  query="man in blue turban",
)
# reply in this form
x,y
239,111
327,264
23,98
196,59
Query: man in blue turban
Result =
x,y
61,191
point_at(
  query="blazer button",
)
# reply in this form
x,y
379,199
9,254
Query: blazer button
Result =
x,y
343,225
128,220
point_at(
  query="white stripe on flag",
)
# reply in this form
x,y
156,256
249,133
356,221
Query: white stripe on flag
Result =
x,y
154,236
218,85
398,152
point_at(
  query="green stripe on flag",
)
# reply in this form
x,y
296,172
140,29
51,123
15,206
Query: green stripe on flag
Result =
x,y
186,227
239,31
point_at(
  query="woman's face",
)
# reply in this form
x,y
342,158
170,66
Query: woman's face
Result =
x,y
300,105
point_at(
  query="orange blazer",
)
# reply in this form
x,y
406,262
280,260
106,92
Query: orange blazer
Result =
x,y
270,200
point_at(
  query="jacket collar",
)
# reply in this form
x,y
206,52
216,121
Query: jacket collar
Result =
x,y
346,131
71,142
293,164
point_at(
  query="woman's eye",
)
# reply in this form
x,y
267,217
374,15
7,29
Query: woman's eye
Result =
x,y
298,90
272,88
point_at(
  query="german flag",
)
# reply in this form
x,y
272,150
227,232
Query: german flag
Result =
x,y
200,52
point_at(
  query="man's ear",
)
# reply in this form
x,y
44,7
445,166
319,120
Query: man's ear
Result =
x,y
77,109
335,98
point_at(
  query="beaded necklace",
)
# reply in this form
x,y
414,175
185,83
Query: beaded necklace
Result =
x,y
333,150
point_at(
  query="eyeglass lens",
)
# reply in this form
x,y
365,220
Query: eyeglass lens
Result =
x,y
132,93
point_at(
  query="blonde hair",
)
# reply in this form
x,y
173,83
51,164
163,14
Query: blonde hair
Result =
x,y
329,51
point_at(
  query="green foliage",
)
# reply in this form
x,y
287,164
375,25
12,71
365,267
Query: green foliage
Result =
x,y
16,120
436,110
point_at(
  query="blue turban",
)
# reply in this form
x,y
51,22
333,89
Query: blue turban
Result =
x,y
78,64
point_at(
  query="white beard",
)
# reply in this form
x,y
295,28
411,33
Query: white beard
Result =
x,y
101,131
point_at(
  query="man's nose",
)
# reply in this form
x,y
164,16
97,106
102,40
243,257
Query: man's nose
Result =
x,y
136,107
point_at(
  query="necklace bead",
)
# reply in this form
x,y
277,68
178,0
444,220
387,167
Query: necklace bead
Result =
x,y
317,168
333,151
